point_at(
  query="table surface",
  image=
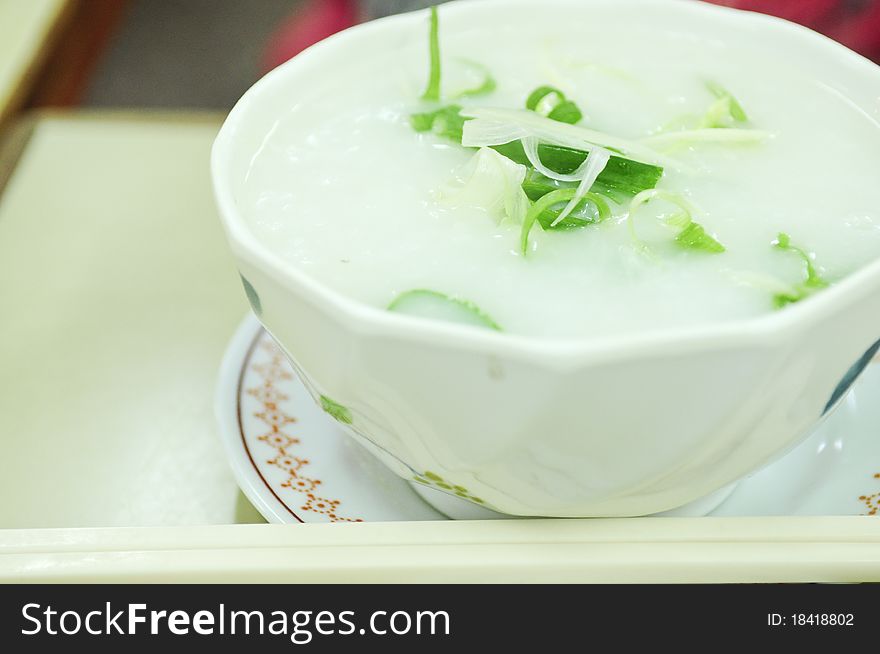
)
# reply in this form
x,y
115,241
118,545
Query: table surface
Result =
x,y
118,297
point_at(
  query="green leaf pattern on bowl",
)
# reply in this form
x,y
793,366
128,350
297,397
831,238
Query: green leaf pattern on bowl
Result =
x,y
339,412
433,480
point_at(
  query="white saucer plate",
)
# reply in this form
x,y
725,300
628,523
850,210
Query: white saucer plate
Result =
x,y
296,465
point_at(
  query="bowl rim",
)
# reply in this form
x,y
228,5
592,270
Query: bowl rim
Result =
x,y
766,329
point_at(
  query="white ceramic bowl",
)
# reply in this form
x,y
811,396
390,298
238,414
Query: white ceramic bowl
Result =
x,y
607,427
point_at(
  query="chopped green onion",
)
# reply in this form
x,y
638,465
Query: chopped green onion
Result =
x,y
433,304
566,112
486,86
537,186
718,115
814,281
552,103
694,237
781,300
593,167
542,92
446,122
543,213
721,114
735,108
432,91
495,126
691,235
544,203
621,178
549,218
725,111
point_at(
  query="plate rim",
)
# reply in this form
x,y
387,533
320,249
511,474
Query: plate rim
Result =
x,y
227,413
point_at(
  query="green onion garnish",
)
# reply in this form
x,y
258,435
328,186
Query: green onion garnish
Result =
x,y
494,126
486,86
433,304
557,173
694,237
548,217
620,180
446,122
718,115
551,102
691,235
814,281
543,213
432,91
541,93
721,115
735,109
566,112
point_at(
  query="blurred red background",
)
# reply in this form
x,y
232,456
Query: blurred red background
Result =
x,y
855,23
205,53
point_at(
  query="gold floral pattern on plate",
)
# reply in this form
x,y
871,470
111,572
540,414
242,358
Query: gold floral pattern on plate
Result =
x,y
872,501
280,440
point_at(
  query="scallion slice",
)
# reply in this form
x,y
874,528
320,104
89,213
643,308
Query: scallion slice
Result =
x,y
736,110
542,93
427,303
544,205
493,126
485,87
566,112
595,164
721,114
620,179
814,281
446,122
694,237
552,103
691,235
530,149
432,90
537,186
